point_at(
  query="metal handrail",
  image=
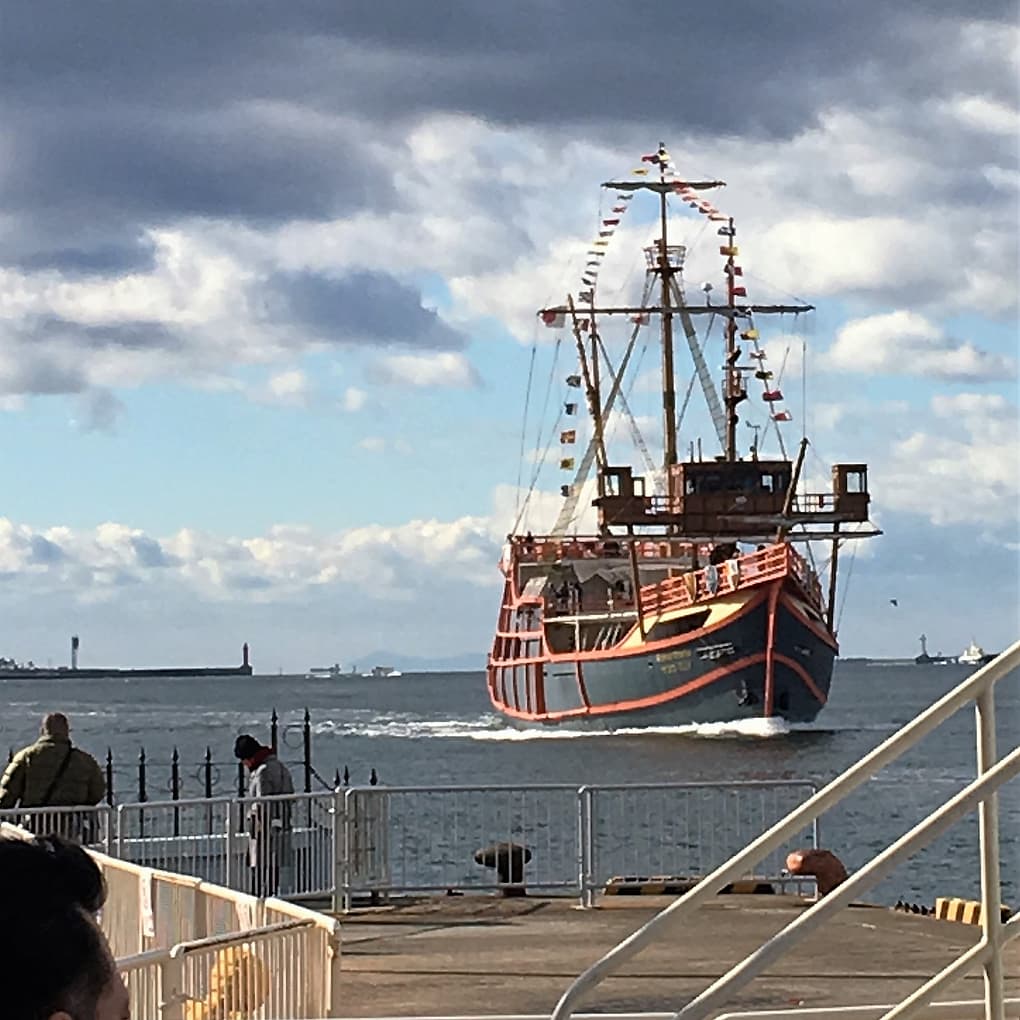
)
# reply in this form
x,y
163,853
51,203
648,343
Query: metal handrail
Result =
x,y
976,688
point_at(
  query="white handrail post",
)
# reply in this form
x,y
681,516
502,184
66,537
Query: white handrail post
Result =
x,y
120,832
339,826
172,1005
228,847
988,832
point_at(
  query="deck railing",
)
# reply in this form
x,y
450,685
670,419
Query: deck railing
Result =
x,y
992,772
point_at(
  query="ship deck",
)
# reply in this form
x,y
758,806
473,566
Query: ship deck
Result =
x,y
485,955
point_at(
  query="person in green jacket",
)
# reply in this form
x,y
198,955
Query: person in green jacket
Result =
x,y
53,773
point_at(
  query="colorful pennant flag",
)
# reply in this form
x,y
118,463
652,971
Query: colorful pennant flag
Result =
x,y
733,270
725,231
605,233
570,409
565,490
610,223
574,380
640,171
729,250
585,295
763,373
760,355
641,320
782,416
569,436
739,292
554,319
652,158
567,463
771,396
749,334
619,208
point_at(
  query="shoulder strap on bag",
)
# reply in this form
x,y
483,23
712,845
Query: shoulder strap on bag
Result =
x,y
56,779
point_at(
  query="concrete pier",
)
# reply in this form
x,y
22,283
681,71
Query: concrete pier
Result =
x,y
485,955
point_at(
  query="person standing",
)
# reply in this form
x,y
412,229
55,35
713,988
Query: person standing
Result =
x,y
269,822
53,773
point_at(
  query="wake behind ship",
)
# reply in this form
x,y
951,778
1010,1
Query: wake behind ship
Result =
x,y
688,600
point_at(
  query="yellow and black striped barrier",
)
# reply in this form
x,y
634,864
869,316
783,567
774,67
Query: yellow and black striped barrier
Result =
x,y
963,911
671,885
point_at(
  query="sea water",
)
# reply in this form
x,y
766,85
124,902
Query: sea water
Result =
x,y
436,729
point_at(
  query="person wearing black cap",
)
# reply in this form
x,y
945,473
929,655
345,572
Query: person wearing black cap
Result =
x,y
269,821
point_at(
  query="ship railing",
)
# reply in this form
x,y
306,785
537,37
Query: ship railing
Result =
x,y
739,572
980,795
549,549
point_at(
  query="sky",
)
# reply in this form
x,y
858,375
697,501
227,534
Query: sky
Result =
x,y
268,276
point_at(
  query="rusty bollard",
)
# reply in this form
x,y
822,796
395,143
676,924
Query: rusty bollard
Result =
x,y
508,859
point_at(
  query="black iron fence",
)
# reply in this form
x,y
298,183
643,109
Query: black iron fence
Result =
x,y
152,779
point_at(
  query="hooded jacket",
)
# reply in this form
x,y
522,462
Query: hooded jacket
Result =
x,y
33,769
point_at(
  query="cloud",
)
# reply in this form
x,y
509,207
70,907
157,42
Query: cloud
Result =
x,y
964,468
445,369
360,307
354,399
380,445
288,389
903,342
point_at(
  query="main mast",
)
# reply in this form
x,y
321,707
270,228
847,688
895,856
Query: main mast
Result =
x,y
668,382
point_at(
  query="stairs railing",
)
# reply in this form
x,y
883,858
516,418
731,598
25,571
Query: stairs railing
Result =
x,y
992,772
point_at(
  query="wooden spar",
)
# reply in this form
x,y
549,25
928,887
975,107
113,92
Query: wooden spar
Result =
x,y
668,381
792,490
636,582
830,612
593,407
725,310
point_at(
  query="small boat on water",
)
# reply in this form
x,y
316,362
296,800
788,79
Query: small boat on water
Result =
x,y
383,672
689,599
975,655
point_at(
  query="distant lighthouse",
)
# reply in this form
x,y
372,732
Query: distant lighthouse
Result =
x,y
74,651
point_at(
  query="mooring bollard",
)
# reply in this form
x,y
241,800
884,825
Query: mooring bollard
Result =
x,y
508,859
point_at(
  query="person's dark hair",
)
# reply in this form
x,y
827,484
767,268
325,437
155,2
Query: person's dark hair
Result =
x,y
52,955
246,746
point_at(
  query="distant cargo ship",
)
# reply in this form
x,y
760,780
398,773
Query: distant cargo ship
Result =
x,y
11,670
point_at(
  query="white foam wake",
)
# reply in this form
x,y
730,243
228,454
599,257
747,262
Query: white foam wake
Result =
x,y
492,727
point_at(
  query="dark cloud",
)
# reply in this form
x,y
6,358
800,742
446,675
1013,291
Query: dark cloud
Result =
x,y
102,260
131,114
362,307
149,553
46,553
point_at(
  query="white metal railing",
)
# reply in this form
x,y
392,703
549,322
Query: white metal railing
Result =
x,y
992,772
965,1009
269,971
90,826
380,841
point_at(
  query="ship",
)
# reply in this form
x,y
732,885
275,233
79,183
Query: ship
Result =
x,y
975,655
12,670
692,595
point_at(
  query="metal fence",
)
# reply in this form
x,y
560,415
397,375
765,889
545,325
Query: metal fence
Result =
x,y
92,827
376,841
683,829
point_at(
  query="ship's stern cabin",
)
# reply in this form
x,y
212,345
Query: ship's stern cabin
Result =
x,y
731,499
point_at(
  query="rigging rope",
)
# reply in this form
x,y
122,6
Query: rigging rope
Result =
x,y
846,589
524,425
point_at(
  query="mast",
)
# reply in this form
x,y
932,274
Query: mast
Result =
x,y
733,391
668,382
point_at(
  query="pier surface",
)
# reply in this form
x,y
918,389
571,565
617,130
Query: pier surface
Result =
x,y
484,955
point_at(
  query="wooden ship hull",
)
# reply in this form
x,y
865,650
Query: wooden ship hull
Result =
x,y
742,639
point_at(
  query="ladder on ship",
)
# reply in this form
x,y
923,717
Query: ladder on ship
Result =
x,y
980,795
